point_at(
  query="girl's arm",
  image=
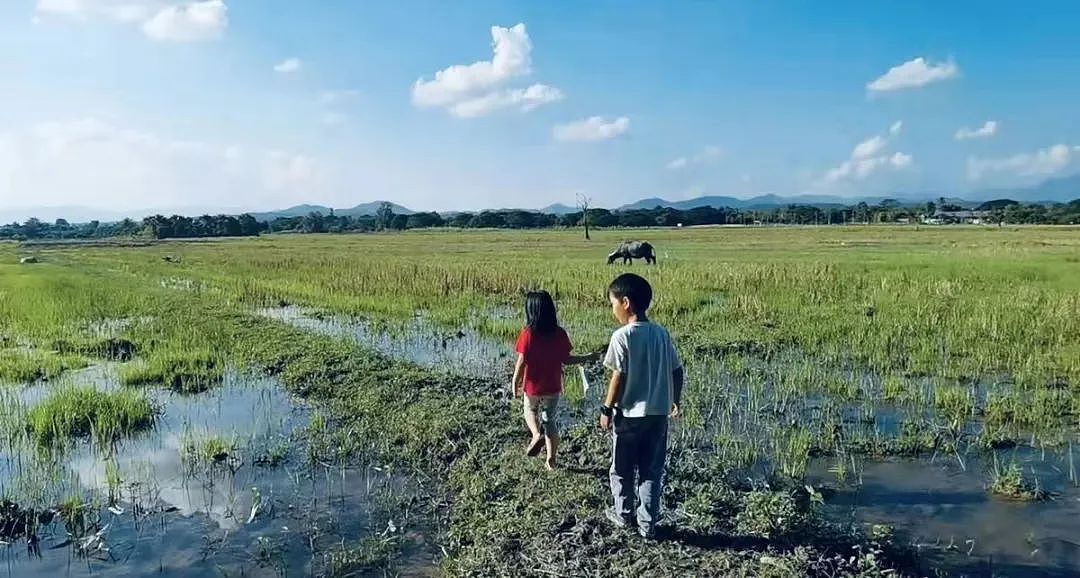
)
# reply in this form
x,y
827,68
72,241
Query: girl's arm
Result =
x,y
587,358
519,375
581,359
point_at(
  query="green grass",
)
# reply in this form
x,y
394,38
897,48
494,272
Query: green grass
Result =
x,y
974,338
1009,483
85,412
368,557
110,348
182,371
28,366
207,450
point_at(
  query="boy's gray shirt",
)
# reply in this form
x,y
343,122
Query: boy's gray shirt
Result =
x,y
644,353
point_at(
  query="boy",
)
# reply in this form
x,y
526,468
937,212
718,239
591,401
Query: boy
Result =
x,y
645,388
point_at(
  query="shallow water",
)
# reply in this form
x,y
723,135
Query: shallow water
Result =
x,y
940,503
176,518
947,511
463,352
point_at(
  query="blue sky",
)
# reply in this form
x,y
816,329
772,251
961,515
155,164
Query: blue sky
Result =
x,y
256,104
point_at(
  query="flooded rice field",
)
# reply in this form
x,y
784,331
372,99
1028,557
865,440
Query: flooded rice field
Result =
x,y
947,512
921,458
881,461
223,482
220,485
460,352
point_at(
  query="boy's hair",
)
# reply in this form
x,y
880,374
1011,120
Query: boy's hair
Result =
x,y
635,288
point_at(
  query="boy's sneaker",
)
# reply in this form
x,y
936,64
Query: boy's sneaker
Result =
x,y
615,518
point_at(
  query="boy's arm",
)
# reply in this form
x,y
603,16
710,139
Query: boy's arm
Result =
x,y
677,379
614,391
616,360
678,376
614,388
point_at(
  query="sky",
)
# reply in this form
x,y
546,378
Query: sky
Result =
x,y
263,104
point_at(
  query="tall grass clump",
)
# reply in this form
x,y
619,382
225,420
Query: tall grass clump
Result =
x,y
182,371
27,366
83,411
207,450
1009,483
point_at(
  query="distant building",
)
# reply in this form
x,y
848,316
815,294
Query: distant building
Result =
x,y
952,217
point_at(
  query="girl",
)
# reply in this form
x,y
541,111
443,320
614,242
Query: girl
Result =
x,y
543,348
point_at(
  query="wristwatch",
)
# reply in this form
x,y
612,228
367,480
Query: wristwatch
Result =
x,y
607,410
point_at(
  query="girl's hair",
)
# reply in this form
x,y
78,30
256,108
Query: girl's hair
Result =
x,y
540,313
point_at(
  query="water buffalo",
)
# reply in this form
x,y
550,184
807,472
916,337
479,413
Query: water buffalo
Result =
x,y
27,260
630,250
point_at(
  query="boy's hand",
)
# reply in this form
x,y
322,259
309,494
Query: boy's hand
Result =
x,y
675,411
607,415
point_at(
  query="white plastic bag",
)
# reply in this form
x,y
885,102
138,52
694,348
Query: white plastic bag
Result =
x,y
584,380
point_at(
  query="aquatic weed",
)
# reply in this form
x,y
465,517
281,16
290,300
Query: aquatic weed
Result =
x,y
84,411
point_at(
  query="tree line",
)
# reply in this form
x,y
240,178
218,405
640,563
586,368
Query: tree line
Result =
x,y
153,227
180,227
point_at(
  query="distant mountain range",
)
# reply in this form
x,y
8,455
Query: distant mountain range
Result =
x,y
764,202
361,210
1054,190
558,209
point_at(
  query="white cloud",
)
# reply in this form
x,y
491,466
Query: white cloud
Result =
x,y
511,49
869,147
125,11
869,157
167,20
524,99
1041,163
477,89
288,65
901,160
94,162
594,128
914,73
862,168
706,155
874,145
189,22
987,130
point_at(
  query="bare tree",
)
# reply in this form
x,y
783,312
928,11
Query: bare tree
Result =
x,y
583,203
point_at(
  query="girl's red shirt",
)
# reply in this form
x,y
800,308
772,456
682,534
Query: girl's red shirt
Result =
x,y
544,359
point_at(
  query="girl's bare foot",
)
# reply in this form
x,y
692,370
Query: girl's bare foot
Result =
x,y
534,446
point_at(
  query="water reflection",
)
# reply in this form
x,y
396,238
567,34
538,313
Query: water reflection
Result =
x,y
173,517
463,352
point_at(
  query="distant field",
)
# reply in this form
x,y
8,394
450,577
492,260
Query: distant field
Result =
x,y
808,348
946,301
